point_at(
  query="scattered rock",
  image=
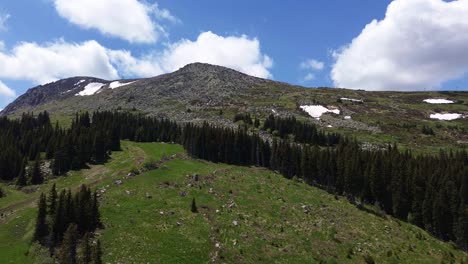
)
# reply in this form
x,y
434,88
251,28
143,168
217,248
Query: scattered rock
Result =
x,y
148,196
118,182
195,177
235,223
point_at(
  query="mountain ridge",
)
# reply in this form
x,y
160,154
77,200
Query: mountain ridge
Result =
x,y
202,92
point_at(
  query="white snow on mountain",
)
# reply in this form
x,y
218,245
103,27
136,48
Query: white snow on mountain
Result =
x,y
438,101
446,117
316,111
352,100
90,89
117,84
79,82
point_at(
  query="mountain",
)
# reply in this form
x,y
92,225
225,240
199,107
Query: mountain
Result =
x,y
194,84
203,92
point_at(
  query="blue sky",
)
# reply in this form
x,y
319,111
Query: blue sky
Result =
x,y
360,44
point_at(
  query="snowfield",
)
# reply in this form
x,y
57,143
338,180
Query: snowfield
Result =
x,y
352,100
118,84
90,89
438,101
316,111
446,117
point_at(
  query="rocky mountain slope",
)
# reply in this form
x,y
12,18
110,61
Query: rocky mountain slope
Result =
x,y
199,92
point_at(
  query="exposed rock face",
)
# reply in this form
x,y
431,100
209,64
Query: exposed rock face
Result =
x,y
194,85
42,94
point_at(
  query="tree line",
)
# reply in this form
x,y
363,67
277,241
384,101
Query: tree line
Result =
x,y
301,132
430,191
84,142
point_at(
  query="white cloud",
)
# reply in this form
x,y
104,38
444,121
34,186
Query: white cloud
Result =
x,y
55,60
164,14
309,77
6,91
240,53
418,45
3,20
130,20
42,63
312,64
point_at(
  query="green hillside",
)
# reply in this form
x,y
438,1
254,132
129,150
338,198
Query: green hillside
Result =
x,y
245,215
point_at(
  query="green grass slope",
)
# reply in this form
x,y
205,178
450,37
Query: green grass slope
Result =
x,y
245,215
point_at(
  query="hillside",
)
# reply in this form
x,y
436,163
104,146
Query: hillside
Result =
x,y
201,92
246,214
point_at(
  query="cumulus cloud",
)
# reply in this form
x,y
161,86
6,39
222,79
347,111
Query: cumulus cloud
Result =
x,y
42,63
309,77
6,91
418,45
312,64
164,14
131,20
238,52
55,60
3,20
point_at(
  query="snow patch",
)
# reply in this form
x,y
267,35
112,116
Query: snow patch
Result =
x,y
80,82
67,91
274,111
329,126
316,111
352,100
438,101
446,117
347,117
90,89
117,84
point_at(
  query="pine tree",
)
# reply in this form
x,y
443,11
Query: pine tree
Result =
x,y
95,215
67,250
194,208
21,180
97,253
85,253
41,230
52,199
36,174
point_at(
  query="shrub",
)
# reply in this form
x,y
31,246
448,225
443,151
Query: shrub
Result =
x,y
151,164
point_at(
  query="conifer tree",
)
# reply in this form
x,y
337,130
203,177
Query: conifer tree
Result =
x,y
67,250
21,180
95,215
36,174
85,250
97,253
41,230
52,199
194,208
